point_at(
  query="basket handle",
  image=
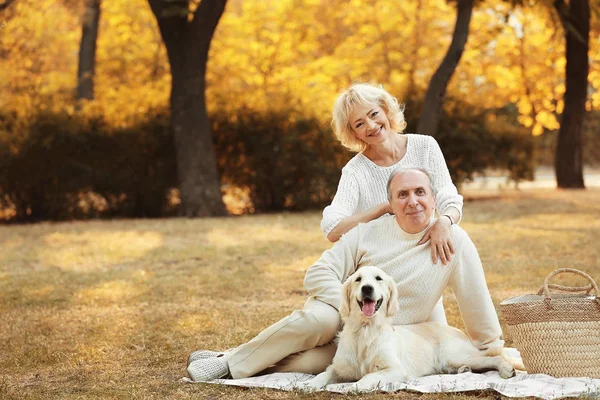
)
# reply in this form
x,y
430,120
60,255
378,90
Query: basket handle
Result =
x,y
574,289
545,290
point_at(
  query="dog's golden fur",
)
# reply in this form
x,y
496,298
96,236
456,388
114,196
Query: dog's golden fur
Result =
x,y
373,352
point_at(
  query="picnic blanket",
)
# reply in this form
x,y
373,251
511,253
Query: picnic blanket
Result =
x,y
521,385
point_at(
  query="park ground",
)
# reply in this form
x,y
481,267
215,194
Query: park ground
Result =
x,y
111,309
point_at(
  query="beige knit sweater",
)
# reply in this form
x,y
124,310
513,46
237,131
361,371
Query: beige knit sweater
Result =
x,y
384,244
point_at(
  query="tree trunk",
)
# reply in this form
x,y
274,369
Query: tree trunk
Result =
x,y
198,177
87,50
568,161
188,43
4,5
431,111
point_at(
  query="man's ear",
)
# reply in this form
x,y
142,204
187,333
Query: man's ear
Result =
x,y
393,305
346,294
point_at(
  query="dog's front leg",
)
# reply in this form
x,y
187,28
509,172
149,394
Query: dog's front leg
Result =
x,y
320,381
376,380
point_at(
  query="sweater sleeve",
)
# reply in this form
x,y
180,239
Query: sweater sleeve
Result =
x,y
344,204
473,297
324,279
447,194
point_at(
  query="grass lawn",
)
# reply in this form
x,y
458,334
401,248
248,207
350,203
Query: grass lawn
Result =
x,y
111,309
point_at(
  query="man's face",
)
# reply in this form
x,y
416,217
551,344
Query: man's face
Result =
x,y
412,200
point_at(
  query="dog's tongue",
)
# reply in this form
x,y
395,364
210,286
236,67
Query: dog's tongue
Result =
x,y
368,308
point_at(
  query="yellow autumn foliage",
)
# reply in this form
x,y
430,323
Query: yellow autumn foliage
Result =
x,y
290,54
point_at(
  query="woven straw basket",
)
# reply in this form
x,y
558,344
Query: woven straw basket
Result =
x,y
557,333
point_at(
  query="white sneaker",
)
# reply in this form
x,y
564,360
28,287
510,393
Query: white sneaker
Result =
x,y
201,354
208,369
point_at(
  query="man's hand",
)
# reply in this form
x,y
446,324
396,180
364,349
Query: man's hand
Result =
x,y
441,245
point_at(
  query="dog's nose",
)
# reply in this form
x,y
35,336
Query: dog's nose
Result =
x,y
367,290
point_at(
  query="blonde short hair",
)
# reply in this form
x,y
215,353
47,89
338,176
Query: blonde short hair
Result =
x,y
364,94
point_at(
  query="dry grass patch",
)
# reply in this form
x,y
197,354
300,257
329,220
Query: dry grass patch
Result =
x,y
110,309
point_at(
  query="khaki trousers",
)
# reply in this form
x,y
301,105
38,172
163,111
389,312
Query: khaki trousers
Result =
x,y
300,342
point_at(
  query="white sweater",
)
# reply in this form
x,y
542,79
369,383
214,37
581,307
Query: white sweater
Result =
x,y
384,244
363,183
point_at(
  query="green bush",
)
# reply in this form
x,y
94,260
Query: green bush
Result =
x,y
286,163
69,166
59,166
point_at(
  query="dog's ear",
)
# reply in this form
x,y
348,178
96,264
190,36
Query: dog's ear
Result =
x,y
346,293
393,306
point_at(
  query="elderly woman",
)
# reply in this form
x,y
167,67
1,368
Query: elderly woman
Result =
x,y
368,120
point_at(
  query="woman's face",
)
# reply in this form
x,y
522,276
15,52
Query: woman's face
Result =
x,y
370,124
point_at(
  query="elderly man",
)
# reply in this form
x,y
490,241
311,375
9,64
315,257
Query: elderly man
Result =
x,y
301,341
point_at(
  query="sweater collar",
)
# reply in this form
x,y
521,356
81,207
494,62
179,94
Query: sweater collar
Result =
x,y
411,236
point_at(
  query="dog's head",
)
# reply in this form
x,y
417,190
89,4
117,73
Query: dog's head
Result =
x,y
369,292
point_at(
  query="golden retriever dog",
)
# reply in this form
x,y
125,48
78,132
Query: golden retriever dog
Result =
x,y
372,352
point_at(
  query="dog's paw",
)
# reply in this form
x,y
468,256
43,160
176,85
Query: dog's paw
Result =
x,y
463,369
506,370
